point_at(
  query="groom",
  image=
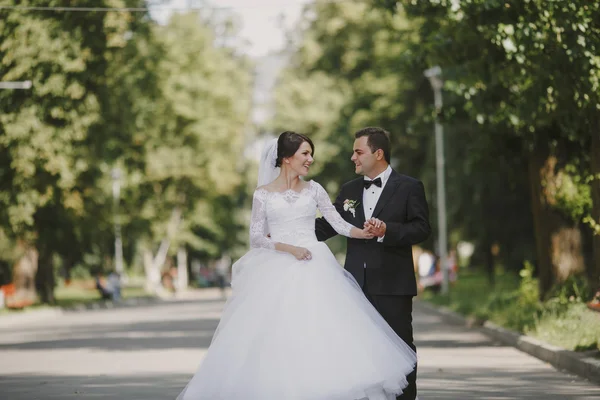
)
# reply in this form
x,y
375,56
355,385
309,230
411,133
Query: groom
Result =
x,y
394,208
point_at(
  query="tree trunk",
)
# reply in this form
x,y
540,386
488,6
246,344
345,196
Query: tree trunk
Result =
x,y
153,264
567,253
595,167
182,272
559,243
23,275
44,278
163,250
490,262
539,209
152,273
488,254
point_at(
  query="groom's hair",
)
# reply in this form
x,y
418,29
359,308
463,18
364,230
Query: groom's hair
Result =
x,y
377,138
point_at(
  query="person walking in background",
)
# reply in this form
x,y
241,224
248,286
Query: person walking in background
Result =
x,y
114,285
222,269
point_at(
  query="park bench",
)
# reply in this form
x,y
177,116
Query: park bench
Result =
x,y
8,292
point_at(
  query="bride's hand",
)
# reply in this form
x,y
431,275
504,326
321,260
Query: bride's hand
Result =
x,y
365,233
301,253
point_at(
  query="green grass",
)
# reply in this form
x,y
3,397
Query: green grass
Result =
x,y
564,320
68,296
577,329
77,293
471,293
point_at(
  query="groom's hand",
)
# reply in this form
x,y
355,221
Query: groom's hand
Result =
x,y
376,226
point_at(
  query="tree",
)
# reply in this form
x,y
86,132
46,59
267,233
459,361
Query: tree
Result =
x,y
372,74
44,130
192,145
105,95
528,69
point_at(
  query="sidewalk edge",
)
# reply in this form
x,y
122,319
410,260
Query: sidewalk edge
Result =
x,y
581,364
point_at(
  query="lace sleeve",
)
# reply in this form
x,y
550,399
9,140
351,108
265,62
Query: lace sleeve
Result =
x,y
258,222
330,213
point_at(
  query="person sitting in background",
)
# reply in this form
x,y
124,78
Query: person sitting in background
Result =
x,y
105,292
222,268
114,283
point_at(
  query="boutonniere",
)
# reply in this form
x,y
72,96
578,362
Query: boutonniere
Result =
x,y
350,205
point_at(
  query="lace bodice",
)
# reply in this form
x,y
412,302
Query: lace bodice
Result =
x,y
290,216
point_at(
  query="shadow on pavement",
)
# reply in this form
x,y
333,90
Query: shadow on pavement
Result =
x,y
456,384
51,387
139,336
456,363
500,384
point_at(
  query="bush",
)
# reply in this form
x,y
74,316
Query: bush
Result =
x,y
562,320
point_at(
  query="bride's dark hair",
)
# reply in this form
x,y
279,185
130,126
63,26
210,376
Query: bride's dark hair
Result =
x,y
288,144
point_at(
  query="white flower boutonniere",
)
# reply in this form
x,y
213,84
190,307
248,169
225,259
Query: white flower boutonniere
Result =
x,y
350,205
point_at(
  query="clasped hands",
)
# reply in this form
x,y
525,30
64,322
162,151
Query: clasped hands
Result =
x,y
373,227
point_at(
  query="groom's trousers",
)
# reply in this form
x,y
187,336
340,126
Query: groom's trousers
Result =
x,y
397,312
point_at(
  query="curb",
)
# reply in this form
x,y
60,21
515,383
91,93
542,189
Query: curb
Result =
x,y
582,364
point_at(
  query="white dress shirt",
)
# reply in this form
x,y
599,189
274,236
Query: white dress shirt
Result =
x,y
372,194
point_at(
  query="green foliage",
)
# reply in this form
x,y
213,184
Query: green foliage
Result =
x,y
517,310
562,320
357,66
193,137
520,81
167,105
525,71
573,194
575,328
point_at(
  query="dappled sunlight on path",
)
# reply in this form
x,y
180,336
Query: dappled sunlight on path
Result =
x,y
150,352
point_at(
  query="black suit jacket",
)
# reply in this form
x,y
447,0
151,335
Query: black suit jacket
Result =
x,y
389,265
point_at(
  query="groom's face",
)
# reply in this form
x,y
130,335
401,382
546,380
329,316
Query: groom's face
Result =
x,y
362,157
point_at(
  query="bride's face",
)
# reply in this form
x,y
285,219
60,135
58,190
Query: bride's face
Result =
x,y
300,162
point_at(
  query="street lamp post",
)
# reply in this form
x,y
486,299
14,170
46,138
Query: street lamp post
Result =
x,y
434,76
116,190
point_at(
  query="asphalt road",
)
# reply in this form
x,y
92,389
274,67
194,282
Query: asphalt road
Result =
x,y
150,352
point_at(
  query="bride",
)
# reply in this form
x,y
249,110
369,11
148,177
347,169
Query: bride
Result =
x,y
297,326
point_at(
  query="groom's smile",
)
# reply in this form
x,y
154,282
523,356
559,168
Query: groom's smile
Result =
x,y
362,156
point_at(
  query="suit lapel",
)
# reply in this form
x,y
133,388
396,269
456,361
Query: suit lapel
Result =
x,y
387,193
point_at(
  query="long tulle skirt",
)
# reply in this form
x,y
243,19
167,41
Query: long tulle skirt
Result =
x,y
300,330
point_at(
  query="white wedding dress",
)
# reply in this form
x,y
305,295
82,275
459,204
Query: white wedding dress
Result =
x,y
298,330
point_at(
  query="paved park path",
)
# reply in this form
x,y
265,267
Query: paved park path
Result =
x,y
149,353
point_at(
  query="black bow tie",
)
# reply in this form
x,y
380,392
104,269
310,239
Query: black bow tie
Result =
x,y
376,182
